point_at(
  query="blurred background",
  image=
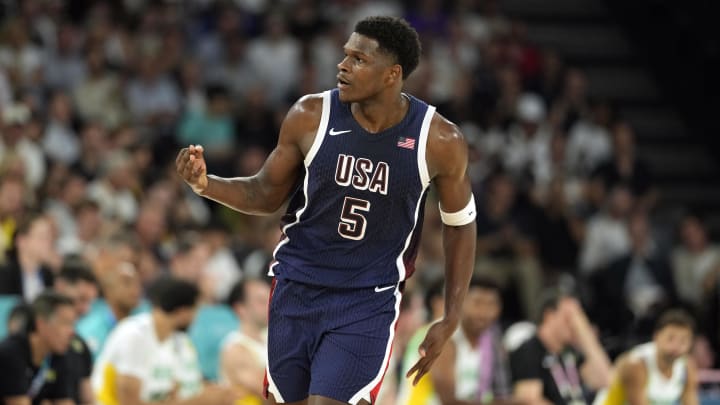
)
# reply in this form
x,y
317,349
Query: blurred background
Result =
x,y
592,126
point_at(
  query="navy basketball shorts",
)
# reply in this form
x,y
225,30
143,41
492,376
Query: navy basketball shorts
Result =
x,y
330,342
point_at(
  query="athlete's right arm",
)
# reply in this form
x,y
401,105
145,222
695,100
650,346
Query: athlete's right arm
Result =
x,y
267,190
634,378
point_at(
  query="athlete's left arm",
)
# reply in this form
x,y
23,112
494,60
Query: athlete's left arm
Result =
x,y
447,161
690,393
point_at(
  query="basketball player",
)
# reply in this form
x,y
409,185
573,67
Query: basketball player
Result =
x,y
658,372
356,163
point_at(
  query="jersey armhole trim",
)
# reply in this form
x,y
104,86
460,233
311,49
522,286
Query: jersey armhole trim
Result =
x,y
322,128
422,146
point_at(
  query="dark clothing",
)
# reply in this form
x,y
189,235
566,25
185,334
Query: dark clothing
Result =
x,y
79,366
639,181
532,361
556,244
610,307
20,377
11,278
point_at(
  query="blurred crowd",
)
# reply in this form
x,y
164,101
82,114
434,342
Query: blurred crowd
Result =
x,y
97,97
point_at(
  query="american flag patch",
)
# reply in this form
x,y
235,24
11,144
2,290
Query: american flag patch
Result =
x,y
407,143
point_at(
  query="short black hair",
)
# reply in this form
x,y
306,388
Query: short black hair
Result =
x,y
45,305
169,294
548,301
675,317
396,37
21,315
75,269
485,283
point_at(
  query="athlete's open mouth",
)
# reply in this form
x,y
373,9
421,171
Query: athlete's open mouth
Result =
x,y
342,82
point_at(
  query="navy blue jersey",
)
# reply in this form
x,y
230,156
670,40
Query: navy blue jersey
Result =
x,y
356,219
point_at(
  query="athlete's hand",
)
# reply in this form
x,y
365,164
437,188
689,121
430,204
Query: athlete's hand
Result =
x,y
430,348
190,165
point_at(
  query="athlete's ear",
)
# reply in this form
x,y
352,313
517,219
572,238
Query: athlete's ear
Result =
x,y
395,73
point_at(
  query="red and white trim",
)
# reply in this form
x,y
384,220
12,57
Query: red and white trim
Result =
x,y
370,391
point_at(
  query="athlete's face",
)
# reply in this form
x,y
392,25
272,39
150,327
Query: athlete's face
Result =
x,y
672,342
365,70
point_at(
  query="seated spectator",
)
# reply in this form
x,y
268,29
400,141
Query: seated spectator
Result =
x,y
12,208
607,237
589,139
214,128
505,248
244,351
27,271
77,282
660,371
149,358
625,167
34,370
15,142
473,366
564,361
696,263
633,289
121,290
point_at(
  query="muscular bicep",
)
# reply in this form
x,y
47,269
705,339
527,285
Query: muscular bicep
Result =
x,y
128,390
634,378
281,170
690,392
447,158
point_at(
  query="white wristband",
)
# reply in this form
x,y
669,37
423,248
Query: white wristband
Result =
x,y
462,217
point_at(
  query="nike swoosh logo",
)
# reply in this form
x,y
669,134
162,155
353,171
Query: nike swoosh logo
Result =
x,y
379,289
333,132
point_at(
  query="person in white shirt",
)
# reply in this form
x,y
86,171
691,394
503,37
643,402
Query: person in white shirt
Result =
x,y
149,358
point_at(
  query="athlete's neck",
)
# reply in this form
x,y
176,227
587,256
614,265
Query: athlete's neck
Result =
x,y
381,113
38,349
118,312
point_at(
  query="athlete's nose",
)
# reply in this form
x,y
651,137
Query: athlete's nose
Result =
x,y
342,65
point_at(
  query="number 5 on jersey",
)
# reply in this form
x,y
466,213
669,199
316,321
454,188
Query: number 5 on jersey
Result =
x,y
352,222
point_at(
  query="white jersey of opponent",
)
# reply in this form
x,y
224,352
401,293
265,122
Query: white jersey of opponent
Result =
x,y
660,389
165,368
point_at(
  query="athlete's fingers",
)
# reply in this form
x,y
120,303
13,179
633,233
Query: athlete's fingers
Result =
x,y
180,157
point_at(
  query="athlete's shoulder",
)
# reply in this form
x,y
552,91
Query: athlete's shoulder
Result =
x,y
446,145
308,105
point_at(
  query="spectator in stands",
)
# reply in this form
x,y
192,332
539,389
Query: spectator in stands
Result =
x,y
68,68
60,142
121,290
528,141
633,290
589,139
473,366
660,371
152,97
29,268
222,267
95,146
189,261
15,142
12,208
113,191
214,128
33,369
149,358
99,97
563,360
695,263
607,237
625,167
150,228
77,282
71,191
505,248
244,352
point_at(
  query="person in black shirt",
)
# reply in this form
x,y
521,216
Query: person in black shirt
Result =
x,y
562,360
77,282
33,368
